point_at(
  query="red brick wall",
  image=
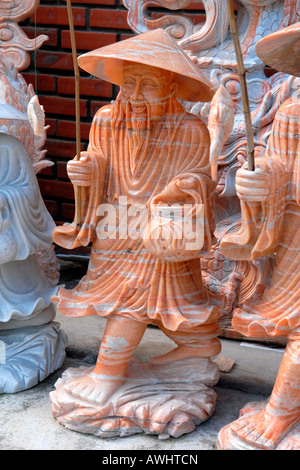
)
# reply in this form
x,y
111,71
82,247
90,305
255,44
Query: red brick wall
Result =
x,y
97,23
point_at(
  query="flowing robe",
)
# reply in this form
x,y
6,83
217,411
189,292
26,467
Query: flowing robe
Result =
x,y
123,278
275,310
25,228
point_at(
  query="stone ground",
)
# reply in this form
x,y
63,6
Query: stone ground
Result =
x,y
26,421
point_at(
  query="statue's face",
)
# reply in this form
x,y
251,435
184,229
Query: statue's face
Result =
x,y
8,246
147,87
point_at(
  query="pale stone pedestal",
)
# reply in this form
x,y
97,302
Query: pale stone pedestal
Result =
x,y
30,354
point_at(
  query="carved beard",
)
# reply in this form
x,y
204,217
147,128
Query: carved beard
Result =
x,y
137,129
140,127
138,132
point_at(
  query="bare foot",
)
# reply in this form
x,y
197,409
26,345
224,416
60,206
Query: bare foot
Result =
x,y
94,388
177,354
181,352
184,352
264,429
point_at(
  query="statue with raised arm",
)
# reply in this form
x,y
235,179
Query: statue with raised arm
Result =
x,y
270,205
145,174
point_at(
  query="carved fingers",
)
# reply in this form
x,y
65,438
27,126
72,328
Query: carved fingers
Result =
x,y
187,183
175,191
252,186
80,171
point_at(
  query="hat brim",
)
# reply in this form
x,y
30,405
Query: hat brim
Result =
x,y
281,50
156,49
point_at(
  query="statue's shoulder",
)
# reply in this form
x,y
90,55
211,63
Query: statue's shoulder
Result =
x,y
194,123
291,107
104,113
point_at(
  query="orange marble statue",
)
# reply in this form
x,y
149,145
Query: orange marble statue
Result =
x,y
146,155
270,203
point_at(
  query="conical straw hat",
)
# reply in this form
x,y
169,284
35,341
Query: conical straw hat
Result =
x,y
157,49
281,50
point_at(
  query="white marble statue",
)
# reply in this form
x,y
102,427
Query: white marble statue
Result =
x,y
32,345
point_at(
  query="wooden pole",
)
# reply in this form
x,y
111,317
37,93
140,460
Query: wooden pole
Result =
x,y
77,106
244,91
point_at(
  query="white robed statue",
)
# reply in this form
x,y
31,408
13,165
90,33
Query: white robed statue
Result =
x,y
32,346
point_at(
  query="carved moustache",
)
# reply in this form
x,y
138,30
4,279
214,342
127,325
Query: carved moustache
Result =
x,y
138,121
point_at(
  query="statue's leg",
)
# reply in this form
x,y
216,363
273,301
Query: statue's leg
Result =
x,y
167,400
201,341
282,412
120,340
